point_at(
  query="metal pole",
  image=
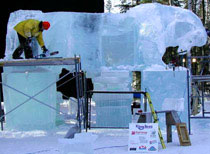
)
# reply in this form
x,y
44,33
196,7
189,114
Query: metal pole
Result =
x,y
80,84
77,88
189,80
86,110
86,102
145,103
89,124
202,84
1,110
188,100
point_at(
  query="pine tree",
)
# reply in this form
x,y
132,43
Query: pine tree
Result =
x,y
109,5
124,7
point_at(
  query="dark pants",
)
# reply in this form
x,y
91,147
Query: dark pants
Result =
x,y
24,46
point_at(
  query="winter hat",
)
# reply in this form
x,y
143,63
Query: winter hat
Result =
x,y
46,25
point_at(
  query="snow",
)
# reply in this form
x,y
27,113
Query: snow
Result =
x,y
121,42
109,141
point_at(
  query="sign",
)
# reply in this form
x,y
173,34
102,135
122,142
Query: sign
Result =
x,y
143,137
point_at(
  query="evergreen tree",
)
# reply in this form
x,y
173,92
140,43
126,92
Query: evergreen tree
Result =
x,y
109,5
124,6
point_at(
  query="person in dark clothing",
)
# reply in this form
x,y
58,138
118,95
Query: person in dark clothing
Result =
x,y
26,30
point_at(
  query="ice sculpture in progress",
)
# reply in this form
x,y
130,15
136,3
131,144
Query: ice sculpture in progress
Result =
x,y
138,37
110,46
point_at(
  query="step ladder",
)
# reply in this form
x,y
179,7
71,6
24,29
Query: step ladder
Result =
x,y
172,118
155,119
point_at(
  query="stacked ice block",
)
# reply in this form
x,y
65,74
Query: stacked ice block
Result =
x,y
32,114
168,91
130,41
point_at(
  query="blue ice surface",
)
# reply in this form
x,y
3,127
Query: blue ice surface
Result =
x,y
138,37
167,85
111,46
112,110
32,115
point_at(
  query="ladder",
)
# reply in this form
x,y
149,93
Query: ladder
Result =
x,y
155,119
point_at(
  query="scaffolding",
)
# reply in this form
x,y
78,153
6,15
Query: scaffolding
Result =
x,y
198,95
111,98
76,61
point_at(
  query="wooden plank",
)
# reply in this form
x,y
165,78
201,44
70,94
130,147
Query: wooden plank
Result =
x,y
175,117
183,134
39,62
169,133
172,118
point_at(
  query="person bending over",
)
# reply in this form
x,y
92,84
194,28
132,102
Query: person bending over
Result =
x,y
26,30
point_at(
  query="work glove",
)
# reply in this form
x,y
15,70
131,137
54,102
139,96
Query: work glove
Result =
x,y
46,52
44,49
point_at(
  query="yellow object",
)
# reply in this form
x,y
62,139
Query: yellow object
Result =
x,y
30,28
155,119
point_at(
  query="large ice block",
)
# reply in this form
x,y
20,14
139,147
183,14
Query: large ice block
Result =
x,y
138,37
31,115
114,80
112,110
168,91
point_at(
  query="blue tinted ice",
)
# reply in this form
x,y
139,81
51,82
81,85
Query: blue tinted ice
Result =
x,y
168,91
113,45
139,36
32,114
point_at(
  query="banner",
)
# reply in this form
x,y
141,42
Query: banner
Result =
x,y
143,137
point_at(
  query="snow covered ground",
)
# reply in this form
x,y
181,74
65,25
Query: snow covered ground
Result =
x,y
109,141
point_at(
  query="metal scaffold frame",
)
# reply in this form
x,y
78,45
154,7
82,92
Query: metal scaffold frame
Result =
x,y
201,79
76,61
147,101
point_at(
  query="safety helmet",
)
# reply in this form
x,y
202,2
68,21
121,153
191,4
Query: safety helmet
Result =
x,y
45,25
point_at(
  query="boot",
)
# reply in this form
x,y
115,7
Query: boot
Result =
x,y
17,53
